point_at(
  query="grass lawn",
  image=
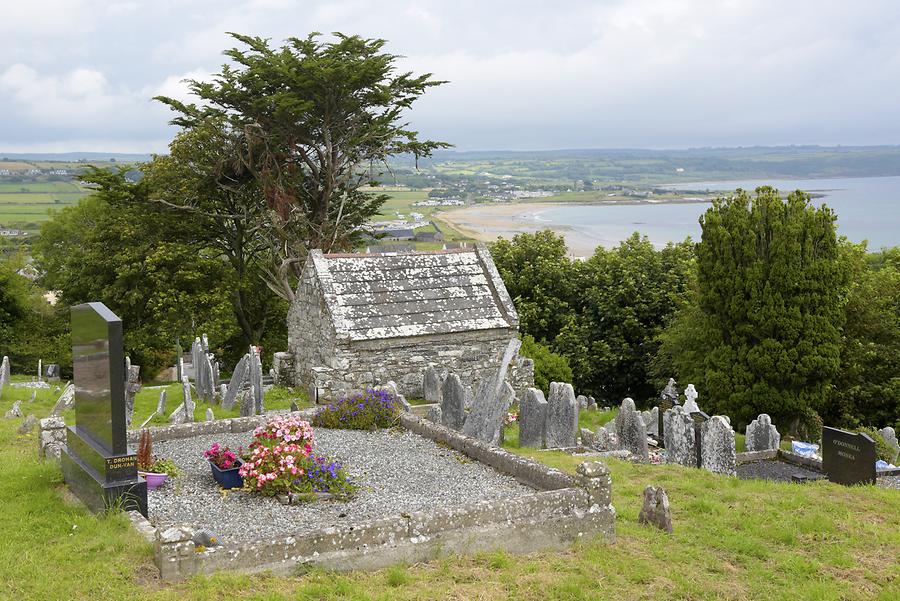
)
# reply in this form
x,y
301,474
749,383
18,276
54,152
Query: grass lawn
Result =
x,y
733,540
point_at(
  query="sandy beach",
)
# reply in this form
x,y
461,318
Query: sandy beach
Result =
x,y
486,223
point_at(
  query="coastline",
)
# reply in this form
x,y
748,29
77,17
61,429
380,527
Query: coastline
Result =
x,y
488,222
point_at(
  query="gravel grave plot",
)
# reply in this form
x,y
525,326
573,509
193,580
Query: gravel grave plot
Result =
x,y
779,471
396,472
888,482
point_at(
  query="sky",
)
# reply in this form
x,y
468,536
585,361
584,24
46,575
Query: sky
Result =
x,y
79,75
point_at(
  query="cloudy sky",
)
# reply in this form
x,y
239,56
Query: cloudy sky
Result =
x,y
78,75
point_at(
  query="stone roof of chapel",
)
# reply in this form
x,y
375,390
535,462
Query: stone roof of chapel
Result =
x,y
378,296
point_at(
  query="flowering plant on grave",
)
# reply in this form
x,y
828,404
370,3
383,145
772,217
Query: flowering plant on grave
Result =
x,y
280,460
286,429
510,419
360,411
222,457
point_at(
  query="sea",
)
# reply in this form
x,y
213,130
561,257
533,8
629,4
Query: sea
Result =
x,y
867,208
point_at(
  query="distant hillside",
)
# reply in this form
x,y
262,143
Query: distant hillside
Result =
x,y
69,157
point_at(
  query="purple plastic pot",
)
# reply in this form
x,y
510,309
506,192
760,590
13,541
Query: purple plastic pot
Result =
x,y
154,480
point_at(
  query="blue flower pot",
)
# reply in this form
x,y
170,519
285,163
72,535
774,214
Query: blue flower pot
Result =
x,y
229,478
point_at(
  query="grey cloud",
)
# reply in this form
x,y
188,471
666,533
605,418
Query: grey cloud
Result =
x,y
657,73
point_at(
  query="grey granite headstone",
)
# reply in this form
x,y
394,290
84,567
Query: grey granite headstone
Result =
x,y
453,403
679,437
591,404
404,404
761,435
631,431
161,403
718,451
237,383
431,385
435,414
532,419
655,511
223,390
65,400
562,416
890,437
209,414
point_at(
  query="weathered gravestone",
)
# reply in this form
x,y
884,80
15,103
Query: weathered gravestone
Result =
x,y
848,457
96,463
51,372
435,414
890,437
532,419
655,510
492,401
237,382
431,385
256,385
680,438
562,416
64,401
651,421
15,411
699,418
582,402
761,435
4,373
718,454
161,404
631,432
132,386
453,403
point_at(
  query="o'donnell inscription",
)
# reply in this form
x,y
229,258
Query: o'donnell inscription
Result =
x,y
848,457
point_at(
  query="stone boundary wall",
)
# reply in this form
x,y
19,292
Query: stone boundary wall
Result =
x,y
217,426
751,456
534,474
807,462
564,509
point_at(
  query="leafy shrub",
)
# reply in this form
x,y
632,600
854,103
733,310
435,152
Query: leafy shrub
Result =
x,y
361,411
548,366
280,460
882,450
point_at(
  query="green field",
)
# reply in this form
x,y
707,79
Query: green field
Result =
x,y
25,205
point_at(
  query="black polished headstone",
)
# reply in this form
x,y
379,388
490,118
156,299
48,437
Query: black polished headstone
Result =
x,y
848,457
96,462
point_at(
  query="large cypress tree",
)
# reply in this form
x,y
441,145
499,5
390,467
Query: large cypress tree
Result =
x,y
771,294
